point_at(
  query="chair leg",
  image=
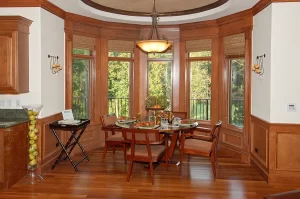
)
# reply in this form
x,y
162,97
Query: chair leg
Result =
x,y
188,157
125,157
129,170
151,172
104,152
114,149
181,157
213,167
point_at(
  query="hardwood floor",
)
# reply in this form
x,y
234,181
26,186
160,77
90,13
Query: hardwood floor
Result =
x,y
107,179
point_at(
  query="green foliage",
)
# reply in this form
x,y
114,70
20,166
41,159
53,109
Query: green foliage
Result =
x,y
119,54
77,51
118,87
236,107
159,74
80,88
167,55
200,54
200,89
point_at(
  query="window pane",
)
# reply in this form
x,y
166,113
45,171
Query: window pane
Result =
x,y
80,88
160,55
200,54
200,90
119,54
118,87
77,51
159,81
236,98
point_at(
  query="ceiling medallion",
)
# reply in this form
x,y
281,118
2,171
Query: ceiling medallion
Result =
x,y
158,45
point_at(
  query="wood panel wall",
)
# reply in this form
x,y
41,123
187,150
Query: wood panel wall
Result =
x,y
275,150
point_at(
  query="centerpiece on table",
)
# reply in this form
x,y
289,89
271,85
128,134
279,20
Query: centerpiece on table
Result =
x,y
156,104
33,113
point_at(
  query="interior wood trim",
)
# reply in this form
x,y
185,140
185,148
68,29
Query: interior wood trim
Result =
x,y
263,171
50,7
234,17
175,13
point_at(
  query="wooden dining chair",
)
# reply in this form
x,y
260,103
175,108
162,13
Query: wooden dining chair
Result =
x,y
146,145
113,134
195,145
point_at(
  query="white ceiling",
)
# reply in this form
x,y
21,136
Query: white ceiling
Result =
x,y
78,7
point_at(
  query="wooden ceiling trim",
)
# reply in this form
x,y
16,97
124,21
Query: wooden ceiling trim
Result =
x,y
50,7
175,13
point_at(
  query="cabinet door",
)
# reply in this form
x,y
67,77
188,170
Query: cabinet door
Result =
x,y
7,61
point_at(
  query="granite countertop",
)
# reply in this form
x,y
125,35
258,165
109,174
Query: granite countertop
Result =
x,y
12,117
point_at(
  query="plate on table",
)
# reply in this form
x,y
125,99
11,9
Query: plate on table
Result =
x,y
147,127
188,123
126,121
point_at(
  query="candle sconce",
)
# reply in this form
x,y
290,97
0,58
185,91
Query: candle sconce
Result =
x,y
258,67
55,67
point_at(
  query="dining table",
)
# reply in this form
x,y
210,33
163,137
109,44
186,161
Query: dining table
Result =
x,y
171,130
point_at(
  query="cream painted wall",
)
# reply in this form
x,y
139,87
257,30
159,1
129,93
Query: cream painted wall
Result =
x,y
46,37
34,96
52,37
261,86
285,81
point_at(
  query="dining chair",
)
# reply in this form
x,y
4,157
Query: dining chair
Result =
x,y
146,145
113,134
195,145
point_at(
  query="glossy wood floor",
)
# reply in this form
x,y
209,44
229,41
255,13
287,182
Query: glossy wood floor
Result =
x,y
106,179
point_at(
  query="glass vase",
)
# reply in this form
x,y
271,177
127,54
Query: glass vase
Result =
x,y
32,176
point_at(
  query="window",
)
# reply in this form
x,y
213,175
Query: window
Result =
x,y
234,50
120,63
199,59
236,95
200,90
160,76
81,66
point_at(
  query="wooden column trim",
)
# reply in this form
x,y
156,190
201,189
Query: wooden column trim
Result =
x,y
68,69
183,83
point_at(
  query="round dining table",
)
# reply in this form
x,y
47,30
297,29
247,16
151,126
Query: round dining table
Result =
x,y
171,130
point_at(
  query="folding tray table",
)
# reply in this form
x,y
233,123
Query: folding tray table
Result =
x,y
76,132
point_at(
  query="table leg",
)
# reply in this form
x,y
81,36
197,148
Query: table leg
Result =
x,y
64,150
173,145
77,142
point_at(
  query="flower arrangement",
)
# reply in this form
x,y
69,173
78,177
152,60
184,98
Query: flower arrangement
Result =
x,y
158,102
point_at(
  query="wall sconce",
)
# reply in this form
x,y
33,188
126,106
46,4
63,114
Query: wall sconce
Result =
x,y
258,68
55,67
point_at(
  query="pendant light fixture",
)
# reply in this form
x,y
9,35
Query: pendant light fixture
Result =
x,y
157,45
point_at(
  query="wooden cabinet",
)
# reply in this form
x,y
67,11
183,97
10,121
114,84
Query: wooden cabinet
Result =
x,y
14,54
13,154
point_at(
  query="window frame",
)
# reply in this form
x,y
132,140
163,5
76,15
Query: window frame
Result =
x,y
189,60
228,91
91,60
131,80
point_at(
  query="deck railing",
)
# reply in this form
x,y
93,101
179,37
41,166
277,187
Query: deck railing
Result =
x,y
80,107
200,109
120,106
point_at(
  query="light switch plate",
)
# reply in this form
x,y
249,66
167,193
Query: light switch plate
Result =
x,y
291,108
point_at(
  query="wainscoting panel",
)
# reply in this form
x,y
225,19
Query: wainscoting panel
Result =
x,y
288,151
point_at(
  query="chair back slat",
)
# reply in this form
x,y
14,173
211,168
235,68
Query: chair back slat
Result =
x,y
108,119
138,136
215,135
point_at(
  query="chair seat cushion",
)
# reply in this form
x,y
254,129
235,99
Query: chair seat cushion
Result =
x,y
141,150
197,145
116,137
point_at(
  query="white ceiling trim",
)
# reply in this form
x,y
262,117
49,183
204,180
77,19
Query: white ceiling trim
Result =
x,y
80,8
